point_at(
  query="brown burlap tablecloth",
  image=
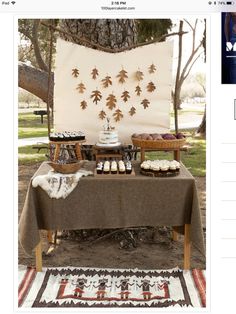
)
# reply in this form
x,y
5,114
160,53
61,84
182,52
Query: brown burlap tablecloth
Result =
x,y
99,202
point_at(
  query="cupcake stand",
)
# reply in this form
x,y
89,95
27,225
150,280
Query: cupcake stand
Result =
x,y
107,151
159,145
58,145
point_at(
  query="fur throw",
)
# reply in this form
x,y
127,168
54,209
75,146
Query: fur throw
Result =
x,y
59,185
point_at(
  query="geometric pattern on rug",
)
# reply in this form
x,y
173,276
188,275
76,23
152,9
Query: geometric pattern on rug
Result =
x,y
98,287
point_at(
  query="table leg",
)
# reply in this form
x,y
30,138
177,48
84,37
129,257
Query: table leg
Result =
x,y
49,236
78,151
38,257
55,238
142,154
187,246
175,235
57,151
177,155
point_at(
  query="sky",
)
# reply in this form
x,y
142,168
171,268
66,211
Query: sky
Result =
x,y
199,66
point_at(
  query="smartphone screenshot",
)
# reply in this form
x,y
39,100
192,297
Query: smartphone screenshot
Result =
x,y
118,156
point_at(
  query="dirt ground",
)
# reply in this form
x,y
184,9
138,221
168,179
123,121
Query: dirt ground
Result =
x,y
155,248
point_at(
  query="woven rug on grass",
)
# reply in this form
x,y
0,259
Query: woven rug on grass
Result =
x,y
98,287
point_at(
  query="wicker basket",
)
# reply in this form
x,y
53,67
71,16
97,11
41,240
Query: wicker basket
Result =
x,y
66,168
163,144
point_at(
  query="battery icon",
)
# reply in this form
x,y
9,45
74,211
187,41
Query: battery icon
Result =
x,y
229,2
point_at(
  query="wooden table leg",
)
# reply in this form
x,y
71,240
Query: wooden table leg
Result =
x,y
57,151
49,236
177,155
187,246
175,235
78,151
55,238
38,257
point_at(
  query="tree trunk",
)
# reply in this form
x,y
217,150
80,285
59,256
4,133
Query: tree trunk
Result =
x,y
109,33
35,81
202,127
177,87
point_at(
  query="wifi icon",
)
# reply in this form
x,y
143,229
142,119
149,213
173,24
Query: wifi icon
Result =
x,y
13,2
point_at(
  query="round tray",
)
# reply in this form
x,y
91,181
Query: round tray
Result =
x,y
168,144
160,174
65,168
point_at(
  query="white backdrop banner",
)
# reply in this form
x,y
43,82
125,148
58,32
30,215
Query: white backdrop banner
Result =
x,y
132,88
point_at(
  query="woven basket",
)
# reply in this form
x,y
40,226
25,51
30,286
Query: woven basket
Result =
x,y
66,168
163,144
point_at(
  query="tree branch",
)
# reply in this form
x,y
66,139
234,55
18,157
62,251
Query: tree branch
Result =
x,y
190,68
35,81
25,33
188,63
186,21
42,65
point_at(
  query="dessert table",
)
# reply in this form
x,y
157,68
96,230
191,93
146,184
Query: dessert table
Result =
x,y
58,145
114,202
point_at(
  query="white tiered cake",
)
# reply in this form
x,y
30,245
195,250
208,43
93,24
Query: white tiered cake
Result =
x,y
108,137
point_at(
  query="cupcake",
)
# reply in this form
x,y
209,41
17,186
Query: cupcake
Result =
x,y
164,166
172,166
145,166
60,136
121,167
66,136
114,167
99,168
106,167
156,167
177,164
128,167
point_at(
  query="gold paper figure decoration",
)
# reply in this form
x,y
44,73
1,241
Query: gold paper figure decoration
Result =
x,y
111,101
152,68
122,76
151,87
145,102
94,73
96,95
132,111
125,96
81,87
138,90
139,75
83,104
102,115
118,115
75,72
106,81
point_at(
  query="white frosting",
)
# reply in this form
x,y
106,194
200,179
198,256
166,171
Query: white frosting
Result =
x,y
121,166
106,166
164,165
108,137
113,166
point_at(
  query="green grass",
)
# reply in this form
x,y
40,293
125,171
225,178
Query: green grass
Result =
x,y
28,155
29,125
